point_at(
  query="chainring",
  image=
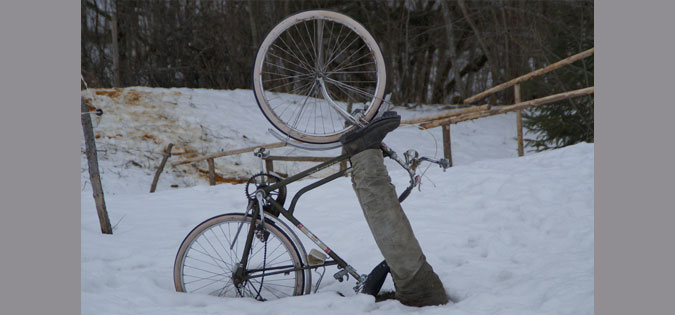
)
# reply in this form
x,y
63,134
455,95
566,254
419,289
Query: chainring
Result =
x,y
263,180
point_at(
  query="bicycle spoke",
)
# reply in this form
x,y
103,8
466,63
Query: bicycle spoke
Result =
x,y
266,288
276,87
210,256
222,291
337,44
346,92
303,105
348,66
344,72
323,124
272,289
352,54
292,91
206,285
293,63
299,77
227,239
302,39
210,279
214,249
343,49
222,246
305,48
309,38
362,92
363,64
206,262
207,271
303,61
278,66
290,105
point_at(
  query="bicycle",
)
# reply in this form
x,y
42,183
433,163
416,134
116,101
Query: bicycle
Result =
x,y
256,254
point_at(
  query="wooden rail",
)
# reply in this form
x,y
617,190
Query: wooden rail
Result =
x,y
530,75
444,120
299,158
269,161
509,108
231,152
444,115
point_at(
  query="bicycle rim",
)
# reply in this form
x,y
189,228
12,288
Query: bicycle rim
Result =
x,y
204,263
314,45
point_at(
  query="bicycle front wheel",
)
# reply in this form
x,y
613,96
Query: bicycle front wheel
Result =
x,y
205,262
310,67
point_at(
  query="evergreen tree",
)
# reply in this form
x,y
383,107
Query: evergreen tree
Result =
x,y
569,121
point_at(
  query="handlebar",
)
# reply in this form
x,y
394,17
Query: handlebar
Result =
x,y
412,161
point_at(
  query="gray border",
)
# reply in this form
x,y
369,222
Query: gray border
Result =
x,y
40,133
634,157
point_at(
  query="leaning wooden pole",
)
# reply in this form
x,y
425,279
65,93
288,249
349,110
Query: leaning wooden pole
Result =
x,y
94,176
453,113
530,75
510,108
167,155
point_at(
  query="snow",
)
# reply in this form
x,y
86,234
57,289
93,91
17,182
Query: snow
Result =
x,y
506,235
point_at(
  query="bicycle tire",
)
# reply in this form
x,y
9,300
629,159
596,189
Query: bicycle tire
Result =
x,y
204,262
281,59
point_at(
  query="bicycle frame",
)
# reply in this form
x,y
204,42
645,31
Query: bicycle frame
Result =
x,y
288,214
409,165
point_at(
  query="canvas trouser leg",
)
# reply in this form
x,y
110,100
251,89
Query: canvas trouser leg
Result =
x,y
414,279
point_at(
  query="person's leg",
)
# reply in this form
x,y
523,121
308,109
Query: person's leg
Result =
x,y
415,281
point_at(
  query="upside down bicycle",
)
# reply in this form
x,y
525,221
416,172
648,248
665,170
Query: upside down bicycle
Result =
x,y
309,71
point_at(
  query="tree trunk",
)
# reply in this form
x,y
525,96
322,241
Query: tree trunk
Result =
x,y
115,48
452,48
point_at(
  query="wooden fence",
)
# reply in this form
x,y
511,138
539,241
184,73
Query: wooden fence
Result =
x,y
443,120
210,159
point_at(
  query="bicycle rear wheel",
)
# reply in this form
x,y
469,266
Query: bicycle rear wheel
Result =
x,y
310,67
205,262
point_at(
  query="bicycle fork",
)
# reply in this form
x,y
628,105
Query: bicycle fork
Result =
x,y
239,275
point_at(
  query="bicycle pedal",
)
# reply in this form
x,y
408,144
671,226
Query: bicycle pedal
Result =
x,y
316,257
339,276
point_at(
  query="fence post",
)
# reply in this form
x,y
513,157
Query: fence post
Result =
x,y
343,164
94,176
447,152
519,120
212,172
269,165
167,154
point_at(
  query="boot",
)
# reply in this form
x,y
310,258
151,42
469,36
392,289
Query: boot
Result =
x,y
424,289
371,136
415,281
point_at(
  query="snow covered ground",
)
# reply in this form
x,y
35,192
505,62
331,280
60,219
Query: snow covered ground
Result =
x,y
506,235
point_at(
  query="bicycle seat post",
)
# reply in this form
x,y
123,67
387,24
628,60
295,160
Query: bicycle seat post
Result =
x,y
262,153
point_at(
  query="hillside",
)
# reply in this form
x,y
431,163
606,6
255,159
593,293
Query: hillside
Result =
x,y
139,122
506,235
